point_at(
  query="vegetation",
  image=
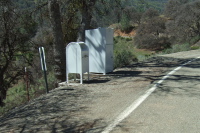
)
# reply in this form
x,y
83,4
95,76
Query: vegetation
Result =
x,y
19,92
149,32
58,41
180,24
123,52
177,48
184,23
15,46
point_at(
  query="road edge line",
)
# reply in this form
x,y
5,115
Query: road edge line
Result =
x,y
141,99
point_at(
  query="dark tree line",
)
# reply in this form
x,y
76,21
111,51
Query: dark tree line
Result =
x,y
179,24
184,24
15,33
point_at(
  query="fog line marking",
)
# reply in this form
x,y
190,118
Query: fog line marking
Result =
x,y
141,99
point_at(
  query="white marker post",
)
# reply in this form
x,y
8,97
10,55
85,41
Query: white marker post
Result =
x,y
43,65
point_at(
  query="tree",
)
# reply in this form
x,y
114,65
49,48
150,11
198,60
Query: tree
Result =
x,y
15,50
151,34
184,23
149,14
172,7
58,44
125,21
134,14
86,9
107,12
142,5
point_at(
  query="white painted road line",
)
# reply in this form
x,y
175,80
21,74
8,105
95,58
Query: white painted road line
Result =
x,y
141,99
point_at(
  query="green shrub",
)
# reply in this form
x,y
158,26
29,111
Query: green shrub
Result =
x,y
125,23
129,39
51,80
123,58
16,96
194,47
194,39
177,48
121,43
142,57
123,52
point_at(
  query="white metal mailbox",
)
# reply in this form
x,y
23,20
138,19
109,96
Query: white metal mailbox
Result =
x,y
100,44
77,59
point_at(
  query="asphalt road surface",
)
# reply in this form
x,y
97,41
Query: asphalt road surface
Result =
x,y
173,107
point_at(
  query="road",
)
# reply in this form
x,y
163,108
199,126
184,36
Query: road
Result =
x,y
172,108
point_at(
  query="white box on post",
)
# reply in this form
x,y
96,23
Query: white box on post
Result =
x,y
100,45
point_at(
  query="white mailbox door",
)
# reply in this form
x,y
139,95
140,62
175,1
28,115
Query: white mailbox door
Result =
x,y
73,58
99,42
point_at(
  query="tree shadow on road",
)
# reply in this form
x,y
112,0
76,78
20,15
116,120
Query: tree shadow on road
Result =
x,y
182,85
131,70
55,112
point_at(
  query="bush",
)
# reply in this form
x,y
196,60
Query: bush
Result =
x,y
151,35
16,96
177,48
123,58
152,42
123,52
194,47
39,85
195,39
125,23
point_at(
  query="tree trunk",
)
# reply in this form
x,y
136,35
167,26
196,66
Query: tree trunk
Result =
x,y
198,28
59,48
86,19
2,92
85,23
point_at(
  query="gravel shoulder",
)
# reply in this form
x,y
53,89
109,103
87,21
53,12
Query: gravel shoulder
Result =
x,y
93,105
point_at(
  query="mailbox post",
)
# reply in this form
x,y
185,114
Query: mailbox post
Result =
x,y
43,65
77,59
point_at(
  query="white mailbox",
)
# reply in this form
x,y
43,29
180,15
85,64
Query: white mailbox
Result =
x,y
77,59
100,44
